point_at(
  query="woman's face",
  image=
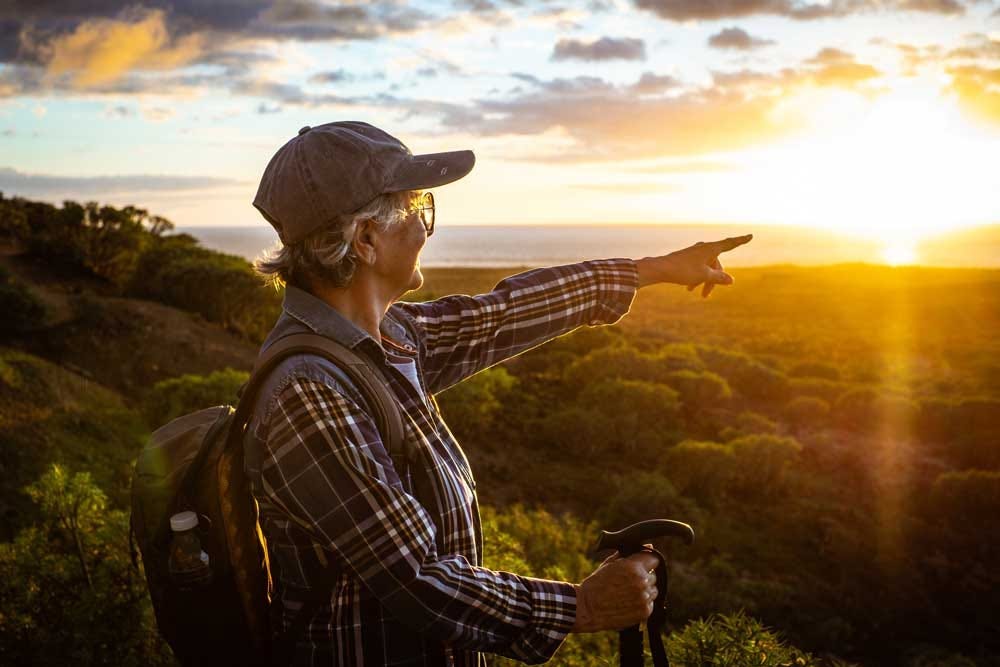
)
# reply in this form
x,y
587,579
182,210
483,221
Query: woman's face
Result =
x,y
398,260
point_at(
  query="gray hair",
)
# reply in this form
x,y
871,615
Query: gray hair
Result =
x,y
327,255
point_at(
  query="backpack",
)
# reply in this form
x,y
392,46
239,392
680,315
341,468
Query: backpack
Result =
x,y
195,463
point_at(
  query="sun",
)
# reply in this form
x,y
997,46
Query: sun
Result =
x,y
895,167
899,254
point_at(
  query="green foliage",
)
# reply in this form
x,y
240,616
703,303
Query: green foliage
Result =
x,y
22,311
13,219
642,417
973,495
699,389
701,470
70,593
814,369
643,494
749,423
172,398
807,412
752,379
733,641
472,406
221,288
761,463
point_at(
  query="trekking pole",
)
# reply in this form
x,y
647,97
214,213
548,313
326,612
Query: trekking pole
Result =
x,y
632,540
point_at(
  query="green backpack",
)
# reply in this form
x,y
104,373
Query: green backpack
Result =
x,y
195,463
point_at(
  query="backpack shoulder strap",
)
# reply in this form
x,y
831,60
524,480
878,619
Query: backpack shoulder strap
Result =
x,y
363,373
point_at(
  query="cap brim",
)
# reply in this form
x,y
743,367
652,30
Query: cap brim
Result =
x,y
431,170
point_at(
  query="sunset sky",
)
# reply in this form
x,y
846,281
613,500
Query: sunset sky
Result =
x,y
880,117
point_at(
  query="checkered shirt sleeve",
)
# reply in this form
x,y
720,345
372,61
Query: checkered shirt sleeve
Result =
x,y
326,466
462,334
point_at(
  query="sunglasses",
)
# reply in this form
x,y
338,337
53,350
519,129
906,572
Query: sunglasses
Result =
x,y
425,209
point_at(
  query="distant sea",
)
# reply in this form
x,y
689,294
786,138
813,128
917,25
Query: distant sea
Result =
x,y
546,245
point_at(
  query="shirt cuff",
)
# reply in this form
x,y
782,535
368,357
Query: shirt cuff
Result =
x,y
553,613
617,283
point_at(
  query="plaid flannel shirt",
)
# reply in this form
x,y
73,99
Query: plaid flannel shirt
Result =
x,y
405,547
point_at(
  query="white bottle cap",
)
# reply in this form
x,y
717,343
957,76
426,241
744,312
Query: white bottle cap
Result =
x,y
183,521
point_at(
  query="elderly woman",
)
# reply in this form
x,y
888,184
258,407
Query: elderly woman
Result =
x,y
400,551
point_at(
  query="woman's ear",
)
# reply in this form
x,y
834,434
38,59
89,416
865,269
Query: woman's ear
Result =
x,y
365,241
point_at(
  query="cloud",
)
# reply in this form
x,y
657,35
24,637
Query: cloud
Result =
x,y
933,6
119,111
45,185
690,10
737,38
334,76
605,48
978,89
828,68
650,83
101,50
978,47
831,56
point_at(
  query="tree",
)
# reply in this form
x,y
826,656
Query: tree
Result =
x,y
471,407
70,594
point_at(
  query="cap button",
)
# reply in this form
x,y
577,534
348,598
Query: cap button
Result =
x,y
304,130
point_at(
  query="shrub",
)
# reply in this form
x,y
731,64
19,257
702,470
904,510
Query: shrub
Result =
x,y
807,412
749,377
172,398
732,641
814,369
699,389
700,469
643,417
471,407
641,494
70,593
761,461
22,311
748,423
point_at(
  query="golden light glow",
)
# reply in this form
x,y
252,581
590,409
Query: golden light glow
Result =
x,y
896,165
897,255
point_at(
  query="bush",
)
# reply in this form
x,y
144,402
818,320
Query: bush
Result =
x,y
643,417
70,594
471,407
172,398
750,378
22,311
749,423
643,495
761,461
732,641
699,389
807,412
700,469
814,369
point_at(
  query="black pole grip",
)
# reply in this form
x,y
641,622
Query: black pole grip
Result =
x,y
629,540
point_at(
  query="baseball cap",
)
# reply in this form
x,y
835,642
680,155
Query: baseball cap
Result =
x,y
332,169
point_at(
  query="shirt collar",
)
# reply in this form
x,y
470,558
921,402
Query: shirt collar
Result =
x,y
327,321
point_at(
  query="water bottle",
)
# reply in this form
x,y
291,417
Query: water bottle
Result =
x,y
188,564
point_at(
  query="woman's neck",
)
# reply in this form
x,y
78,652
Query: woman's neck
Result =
x,y
361,302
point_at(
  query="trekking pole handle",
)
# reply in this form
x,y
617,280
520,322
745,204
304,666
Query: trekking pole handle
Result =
x,y
629,540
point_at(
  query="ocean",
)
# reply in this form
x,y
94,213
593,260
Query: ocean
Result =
x,y
547,245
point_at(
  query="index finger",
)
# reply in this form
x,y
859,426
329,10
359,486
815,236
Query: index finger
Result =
x,y
730,243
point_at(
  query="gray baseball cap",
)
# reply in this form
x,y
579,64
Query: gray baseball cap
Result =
x,y
337,168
